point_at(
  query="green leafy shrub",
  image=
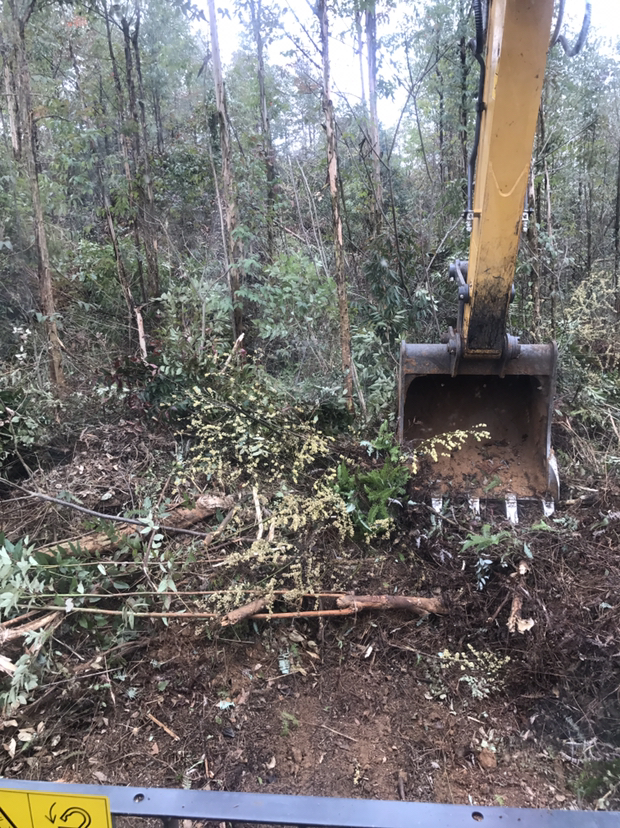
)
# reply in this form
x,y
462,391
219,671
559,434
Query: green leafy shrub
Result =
x,y
599,782
26,404
295,314
65,578
483,541
369,494
246,426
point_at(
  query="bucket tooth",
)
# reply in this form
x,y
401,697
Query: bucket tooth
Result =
x,y
474,505
548,507
512,510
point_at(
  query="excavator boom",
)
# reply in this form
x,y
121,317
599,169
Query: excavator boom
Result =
x,y
517,43
483,375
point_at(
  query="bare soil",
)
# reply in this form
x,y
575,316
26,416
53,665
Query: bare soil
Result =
x,y
353,726
513,411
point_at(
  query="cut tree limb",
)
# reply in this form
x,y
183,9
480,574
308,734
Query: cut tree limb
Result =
x,y
246,611
422,606
516,622
206,506
9,633
346,605
7,666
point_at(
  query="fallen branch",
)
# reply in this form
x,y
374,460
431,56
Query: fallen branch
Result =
x,y
245,611
7,666
347,605
235,349
338,733
516,622
8,633
422,606
206,506
164,727
218,531
12,621
259,514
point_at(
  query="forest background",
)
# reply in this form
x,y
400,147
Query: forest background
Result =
x,y
206,270
154,207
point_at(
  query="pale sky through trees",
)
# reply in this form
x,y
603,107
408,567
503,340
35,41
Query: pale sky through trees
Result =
x,y
345,63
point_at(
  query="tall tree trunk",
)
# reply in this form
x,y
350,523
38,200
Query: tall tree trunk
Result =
x,y
617,236
147,198
120,98
98,148
463,106
158,121
360,50
28,130
532,239
371,46
12,103
332,173
228,186
441,118
135,144
268,150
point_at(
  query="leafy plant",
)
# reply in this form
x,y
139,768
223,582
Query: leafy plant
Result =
x,y
63,578
482,671
369,494
381,487
288,721
483,541
245,425
384,441
599,782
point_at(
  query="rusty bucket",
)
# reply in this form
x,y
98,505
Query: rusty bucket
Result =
x,y
512,399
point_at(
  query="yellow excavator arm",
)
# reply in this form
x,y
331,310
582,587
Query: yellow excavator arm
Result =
x,y
483,376
516,56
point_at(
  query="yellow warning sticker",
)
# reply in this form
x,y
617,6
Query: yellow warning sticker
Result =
x,y
32,809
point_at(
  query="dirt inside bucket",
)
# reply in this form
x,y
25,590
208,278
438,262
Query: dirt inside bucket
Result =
x,y
512,409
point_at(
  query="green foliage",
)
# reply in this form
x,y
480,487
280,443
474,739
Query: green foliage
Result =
x,y
481,543
66,579
482,671
247,427
599,782
294,299
24,680
383,442
381,487
289,721
369,494
26,404
19,429
157,386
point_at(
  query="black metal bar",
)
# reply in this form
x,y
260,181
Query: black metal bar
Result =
x,y
322,812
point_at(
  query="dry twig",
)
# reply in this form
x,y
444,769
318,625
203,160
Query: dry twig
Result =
x,y
164,727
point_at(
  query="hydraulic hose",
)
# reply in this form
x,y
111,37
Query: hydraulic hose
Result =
x,y
479,26
479,46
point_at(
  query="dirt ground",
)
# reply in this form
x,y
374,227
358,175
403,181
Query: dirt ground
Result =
x,y
352,726
360,706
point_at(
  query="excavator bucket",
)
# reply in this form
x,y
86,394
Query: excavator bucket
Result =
x,y
512,399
